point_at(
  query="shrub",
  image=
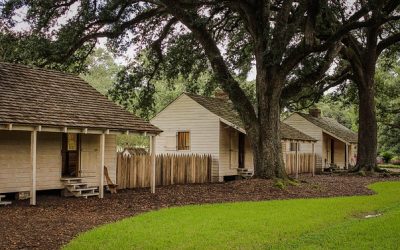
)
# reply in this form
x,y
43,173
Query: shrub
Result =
x,y
387,156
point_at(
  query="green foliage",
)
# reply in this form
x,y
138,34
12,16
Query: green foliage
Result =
x,y
101,71
325,223
387,156
131,141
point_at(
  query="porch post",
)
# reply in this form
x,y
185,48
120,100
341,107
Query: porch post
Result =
x,y
33,163
153,163
313,158
297,160
102,149
347,156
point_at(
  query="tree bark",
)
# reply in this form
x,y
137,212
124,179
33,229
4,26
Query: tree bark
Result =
x,y
367,130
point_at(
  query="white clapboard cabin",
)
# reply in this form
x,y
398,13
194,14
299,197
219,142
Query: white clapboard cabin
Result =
x,y
194,124
336,146
57,131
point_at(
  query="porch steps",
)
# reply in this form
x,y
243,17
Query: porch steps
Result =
x,y
245,173
78,188
4,203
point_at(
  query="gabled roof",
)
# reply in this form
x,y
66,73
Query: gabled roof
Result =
x,y
33,96
225,110
332,126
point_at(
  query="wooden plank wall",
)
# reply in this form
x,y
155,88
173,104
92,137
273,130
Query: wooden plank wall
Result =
x,y
134,172
305,162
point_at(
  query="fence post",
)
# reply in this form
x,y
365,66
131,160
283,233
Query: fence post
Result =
x,y
153,163
297,160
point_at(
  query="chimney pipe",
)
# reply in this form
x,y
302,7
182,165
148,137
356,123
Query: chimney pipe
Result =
x,y
220,94
315,112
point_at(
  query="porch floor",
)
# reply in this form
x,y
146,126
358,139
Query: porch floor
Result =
x,y
56,220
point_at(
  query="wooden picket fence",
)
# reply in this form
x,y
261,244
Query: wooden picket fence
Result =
x,y
135,171
306,164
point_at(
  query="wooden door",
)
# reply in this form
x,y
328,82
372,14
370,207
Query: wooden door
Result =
x,y
90,161
234,149
241,152
70,155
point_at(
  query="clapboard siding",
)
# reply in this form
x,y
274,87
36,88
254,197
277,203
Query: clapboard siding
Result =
x,y
16,169
110,156
184,114
310,129
49,161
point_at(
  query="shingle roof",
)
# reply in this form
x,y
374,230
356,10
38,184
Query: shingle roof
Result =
x,y
332,126
34,96
226,111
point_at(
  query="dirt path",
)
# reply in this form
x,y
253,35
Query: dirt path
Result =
x,y
56,220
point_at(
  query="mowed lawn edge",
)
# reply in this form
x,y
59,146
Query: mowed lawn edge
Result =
x,y
297,223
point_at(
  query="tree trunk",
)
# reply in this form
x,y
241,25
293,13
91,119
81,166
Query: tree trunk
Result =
x,y
367,130
265,134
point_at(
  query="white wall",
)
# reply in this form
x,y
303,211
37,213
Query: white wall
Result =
x,y
16,169
184,114
301,124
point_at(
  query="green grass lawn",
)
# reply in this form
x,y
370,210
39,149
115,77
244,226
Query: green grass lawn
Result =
x,y
329,223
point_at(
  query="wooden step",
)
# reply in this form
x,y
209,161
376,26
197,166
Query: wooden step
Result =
x,y
71,180
5,203
89,195
75,185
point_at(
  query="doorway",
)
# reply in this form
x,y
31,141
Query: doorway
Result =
x,y
332,151
70,155
241,150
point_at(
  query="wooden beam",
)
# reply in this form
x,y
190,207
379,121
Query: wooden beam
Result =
x,y
65,130
33,163
107,131
347,157
313,159
39,128
102,162
297,160
10,126
85,130
153,163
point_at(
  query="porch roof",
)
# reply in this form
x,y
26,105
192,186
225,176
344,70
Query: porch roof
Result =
x,y
331,126
40,97
225,110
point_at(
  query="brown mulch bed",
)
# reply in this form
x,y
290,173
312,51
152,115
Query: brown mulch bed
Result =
x,y
56,220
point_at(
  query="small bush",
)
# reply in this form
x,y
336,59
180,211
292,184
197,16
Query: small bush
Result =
x,y
387,156
280,184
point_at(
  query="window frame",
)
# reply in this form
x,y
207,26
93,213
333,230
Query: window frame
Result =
x,y
189,146
294,149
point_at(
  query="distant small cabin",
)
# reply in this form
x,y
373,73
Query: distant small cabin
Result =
x,y
194,124
55,129
336,146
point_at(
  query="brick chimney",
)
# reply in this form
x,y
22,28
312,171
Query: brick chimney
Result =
x,y
220,94
316,112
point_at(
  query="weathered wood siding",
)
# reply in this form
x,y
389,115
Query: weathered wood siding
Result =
x,y
16,169
184,114
15,165
310,129
339,151
229,151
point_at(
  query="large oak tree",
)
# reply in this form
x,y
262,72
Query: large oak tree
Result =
x,y
281,38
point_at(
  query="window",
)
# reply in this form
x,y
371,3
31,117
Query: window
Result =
x,y
72,142
293,146
183,139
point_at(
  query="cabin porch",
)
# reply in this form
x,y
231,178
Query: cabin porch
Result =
x,y
33,160
336,153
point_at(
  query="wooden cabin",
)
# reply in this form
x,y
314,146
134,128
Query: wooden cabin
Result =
x,y
194,124
336,146
57,131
